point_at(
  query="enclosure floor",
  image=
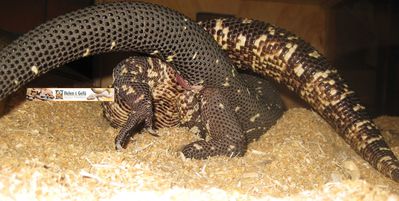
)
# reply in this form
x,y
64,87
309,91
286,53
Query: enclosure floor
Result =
x,y
65,151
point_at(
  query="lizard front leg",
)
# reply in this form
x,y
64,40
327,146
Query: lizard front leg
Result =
x,y
226,136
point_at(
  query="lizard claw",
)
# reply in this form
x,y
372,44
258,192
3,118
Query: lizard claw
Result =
x,y
118,146
152,131
121,140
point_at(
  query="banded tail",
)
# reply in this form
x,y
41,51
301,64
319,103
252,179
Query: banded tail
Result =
x,y
153,29
276,53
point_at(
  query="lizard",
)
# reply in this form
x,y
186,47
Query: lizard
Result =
x,y
149,90
204,57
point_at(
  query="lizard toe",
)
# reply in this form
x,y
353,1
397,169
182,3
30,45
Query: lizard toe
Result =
x,y
204,149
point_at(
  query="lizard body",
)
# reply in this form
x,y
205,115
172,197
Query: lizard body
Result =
x,y
194,54
141,82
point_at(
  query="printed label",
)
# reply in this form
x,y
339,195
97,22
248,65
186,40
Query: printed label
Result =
x,y
70,94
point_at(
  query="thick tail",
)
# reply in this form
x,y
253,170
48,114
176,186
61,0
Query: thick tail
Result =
x,y
139,27
152,29
276,53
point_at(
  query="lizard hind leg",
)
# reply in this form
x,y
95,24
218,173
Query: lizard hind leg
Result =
x,y
140,113
226,137
139,118
133,106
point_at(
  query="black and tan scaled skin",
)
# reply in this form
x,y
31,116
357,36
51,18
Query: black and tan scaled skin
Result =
x,y
203,63
150,94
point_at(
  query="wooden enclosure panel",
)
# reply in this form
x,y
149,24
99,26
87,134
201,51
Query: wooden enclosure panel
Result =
x,y
27,14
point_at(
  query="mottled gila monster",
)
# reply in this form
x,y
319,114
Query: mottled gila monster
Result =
x,y
194,54
149,91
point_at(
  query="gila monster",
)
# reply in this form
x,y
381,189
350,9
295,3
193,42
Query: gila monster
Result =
x,y
198,58
149,91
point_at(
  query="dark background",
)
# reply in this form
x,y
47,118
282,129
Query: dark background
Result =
x,y
362,43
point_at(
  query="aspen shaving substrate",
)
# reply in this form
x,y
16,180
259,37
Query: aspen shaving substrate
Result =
x,y
65,151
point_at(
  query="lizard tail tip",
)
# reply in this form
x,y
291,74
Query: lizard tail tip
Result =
x,y
390,168
395,174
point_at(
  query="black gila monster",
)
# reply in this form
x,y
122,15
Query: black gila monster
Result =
x,y
258,46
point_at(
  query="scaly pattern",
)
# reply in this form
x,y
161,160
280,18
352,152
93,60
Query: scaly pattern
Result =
x,y
274,52
146,82
234,116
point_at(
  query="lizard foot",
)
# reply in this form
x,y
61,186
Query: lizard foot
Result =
x,y
204,149
141,118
